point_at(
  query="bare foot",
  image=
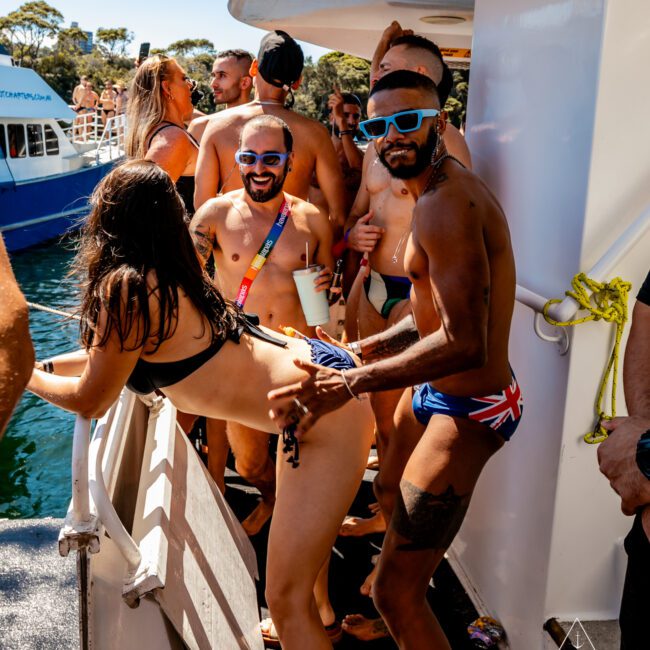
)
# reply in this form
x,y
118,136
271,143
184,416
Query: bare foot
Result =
x,y
357,526
260,515
365,629
374,508
366,587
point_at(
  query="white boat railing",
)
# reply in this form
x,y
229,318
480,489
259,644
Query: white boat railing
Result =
x,y
120,413
89,131
566,310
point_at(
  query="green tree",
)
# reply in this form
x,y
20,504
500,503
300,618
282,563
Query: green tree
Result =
x,y
191,47
348,73
58,66
26,28
113,41
456,105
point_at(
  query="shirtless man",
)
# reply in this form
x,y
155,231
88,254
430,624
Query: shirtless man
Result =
x,y
382,231
232,227
16,350
231,85
78,91
86,108
459,259
277,72
345,115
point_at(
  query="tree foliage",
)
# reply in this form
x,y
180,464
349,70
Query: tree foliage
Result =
x,y
346,72
26,28
113,41
191,47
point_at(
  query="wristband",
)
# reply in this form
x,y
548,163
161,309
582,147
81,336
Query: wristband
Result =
x,y
355,347
346,132
346,235
48,366
643,454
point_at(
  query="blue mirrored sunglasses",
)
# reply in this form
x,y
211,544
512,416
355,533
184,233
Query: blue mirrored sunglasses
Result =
x,y
403,121
269,159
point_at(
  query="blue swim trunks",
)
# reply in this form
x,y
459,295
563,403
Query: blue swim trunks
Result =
x,y
326,354
501,411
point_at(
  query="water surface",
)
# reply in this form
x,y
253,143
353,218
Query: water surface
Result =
x,y
35,453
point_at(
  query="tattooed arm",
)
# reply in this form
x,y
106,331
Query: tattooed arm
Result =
x,y
392,341
203,231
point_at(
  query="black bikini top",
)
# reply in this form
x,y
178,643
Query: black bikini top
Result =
x,y
149,376
184,184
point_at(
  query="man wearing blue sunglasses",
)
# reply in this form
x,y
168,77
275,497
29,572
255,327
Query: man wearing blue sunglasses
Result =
x,y
465,402
233,228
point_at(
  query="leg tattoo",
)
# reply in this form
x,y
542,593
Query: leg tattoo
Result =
x,y
429,521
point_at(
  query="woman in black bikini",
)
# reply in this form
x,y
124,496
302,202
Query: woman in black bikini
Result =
x,y
159,106
151,317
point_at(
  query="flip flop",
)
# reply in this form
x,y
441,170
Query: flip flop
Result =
x,y
272,640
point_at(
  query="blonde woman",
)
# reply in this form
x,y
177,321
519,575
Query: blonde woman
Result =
x,y
159,105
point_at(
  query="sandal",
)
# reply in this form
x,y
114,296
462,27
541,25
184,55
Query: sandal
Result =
x,y
272,640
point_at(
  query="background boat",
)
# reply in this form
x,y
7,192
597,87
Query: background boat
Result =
x,y
48,166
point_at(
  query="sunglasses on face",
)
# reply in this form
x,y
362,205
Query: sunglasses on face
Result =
x,y
404,122
269,159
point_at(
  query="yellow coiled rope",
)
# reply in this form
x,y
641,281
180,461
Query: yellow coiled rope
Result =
x,y
604,301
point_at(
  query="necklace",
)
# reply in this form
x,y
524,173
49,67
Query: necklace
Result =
x,y
434,173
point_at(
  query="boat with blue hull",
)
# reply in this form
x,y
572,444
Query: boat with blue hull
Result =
x,y
50,158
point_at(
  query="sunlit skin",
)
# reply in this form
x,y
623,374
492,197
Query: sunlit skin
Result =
x,y
231,228
458,342
380,221
312,499
171,148
314,152
230,82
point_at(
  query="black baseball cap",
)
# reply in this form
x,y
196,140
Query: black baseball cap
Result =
x,y
280,59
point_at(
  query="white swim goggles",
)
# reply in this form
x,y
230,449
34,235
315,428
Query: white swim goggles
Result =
x,y
269,159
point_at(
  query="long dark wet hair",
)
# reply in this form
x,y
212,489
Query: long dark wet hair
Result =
x,y
137,224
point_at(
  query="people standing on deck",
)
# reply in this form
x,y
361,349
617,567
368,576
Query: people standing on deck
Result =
x,y
16,350
121,98
78,91
86,108
465,401
107,102
624,458
159,105
344,118
175,333
231,84
277,72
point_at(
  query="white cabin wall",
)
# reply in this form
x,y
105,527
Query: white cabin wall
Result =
x,y
588,513
531,117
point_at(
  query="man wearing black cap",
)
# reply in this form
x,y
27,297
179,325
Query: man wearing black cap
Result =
x,y
277,72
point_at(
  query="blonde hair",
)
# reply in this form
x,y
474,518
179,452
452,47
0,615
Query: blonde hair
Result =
x,y
146,102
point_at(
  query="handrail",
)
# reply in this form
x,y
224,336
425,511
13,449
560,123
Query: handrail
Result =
x,y
566,309
107,514
80,445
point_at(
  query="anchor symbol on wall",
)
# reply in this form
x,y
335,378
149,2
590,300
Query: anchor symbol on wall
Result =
x,y
577,644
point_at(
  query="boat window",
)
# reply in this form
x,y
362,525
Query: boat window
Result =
x,y
16,137
35,140
51,141
3,141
